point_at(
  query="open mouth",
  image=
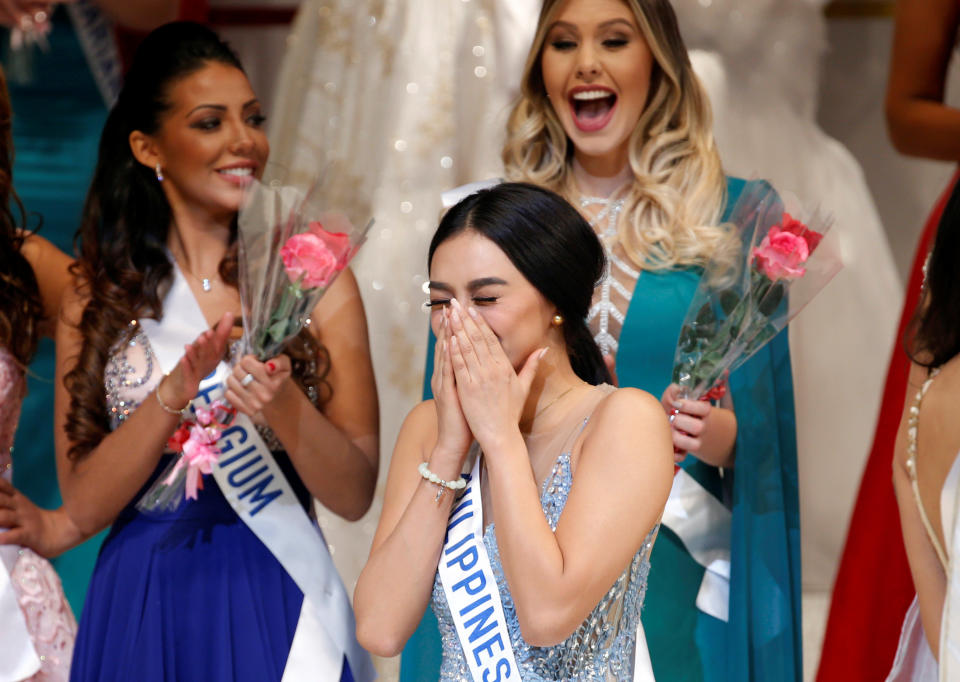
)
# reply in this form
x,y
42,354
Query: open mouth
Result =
x,y
592,109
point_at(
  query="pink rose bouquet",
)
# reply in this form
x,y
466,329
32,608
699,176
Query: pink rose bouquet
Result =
x,y
739,307
292,247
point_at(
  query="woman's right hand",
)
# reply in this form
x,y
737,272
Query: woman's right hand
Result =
x,y
453,432
200,358
48,533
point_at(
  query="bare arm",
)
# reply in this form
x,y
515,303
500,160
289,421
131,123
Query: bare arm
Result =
x,y
337,451
925,567
623,477
918,121
395,585
97,487
50,265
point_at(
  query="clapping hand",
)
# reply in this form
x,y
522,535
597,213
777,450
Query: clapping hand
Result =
x,y
199,359
253,384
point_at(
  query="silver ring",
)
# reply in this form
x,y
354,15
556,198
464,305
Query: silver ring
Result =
x,y
247,380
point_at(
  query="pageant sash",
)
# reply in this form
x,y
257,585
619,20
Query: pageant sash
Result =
x,y
471,589
703,525
256,488
18,658
95,32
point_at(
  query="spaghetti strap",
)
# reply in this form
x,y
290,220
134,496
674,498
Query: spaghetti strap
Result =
x,y
912,424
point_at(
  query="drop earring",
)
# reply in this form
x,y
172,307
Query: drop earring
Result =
x,y
159,173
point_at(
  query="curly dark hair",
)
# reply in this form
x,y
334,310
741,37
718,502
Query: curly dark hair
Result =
x,y
21,307
933,336
123,265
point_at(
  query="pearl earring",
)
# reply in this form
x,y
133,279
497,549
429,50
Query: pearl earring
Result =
x,y
159,173
557,320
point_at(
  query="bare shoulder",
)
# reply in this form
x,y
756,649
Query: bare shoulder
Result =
x,y
628,419
631,408
37,249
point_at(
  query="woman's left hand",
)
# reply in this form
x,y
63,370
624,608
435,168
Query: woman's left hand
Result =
x,y
700,429
492,394
252,384
687,420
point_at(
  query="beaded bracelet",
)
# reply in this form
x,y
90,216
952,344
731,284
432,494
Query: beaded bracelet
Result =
x,y
458,484
166,408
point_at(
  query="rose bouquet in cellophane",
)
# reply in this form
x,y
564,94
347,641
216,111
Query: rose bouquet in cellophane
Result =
x,y
292,245
741,305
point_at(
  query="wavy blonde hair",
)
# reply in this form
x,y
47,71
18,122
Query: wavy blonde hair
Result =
x,y
673,207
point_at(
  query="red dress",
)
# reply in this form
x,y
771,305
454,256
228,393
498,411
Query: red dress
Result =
x,y
874,588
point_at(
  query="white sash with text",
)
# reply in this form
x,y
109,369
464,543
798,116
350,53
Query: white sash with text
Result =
x,y
254,485
471,589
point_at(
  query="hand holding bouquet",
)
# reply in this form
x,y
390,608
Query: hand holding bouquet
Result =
x,y
292,245
739,307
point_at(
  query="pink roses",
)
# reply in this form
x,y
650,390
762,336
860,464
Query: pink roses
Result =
x,y
785,249
313,258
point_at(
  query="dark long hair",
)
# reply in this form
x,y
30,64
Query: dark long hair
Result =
x,y
551,245
933,336
123,265
20,306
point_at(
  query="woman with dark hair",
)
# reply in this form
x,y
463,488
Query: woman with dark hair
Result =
x,y
926,467
37,623
202,592
612,117
536,561
862,631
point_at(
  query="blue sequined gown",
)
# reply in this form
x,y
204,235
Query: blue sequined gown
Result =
x,y
603,647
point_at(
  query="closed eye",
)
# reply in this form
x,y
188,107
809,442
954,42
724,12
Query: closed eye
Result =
x,y
485,300
563,44
434,303
614,43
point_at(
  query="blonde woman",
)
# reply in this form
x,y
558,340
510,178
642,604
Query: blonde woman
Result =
x,y
612,116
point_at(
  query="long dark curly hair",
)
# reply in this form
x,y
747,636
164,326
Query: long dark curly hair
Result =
x,y
123,267
933,336
21,308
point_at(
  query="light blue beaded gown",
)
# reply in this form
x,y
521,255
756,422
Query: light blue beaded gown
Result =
x,y
603,647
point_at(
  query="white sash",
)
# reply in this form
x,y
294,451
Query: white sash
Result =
x,y
18,658
256,488
95,32
471,590
703,525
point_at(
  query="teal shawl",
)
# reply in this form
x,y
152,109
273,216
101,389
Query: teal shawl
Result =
x,y
761,640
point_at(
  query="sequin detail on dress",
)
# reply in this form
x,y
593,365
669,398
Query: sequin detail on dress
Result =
x,y
49,619
132,372
602,648
612,296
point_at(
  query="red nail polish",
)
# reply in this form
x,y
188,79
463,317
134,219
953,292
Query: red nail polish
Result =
x,y
271,366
